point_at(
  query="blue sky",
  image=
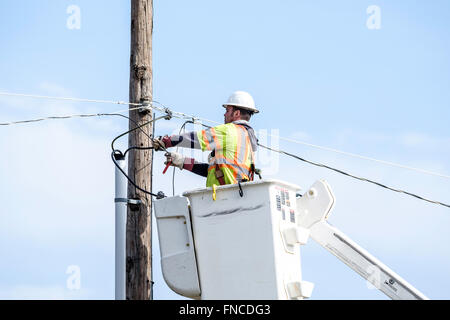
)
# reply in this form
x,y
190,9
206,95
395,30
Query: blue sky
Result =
x,y
317,73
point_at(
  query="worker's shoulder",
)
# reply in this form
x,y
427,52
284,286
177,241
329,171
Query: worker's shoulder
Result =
x,y
225,127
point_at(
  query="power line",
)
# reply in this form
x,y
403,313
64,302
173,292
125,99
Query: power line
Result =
x,y
170,113
363,157
353,176
195,119
67,99
182,128
115,113
117,153
393,164
133,129
346,174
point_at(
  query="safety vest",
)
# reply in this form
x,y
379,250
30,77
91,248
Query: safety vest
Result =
x,y
232,153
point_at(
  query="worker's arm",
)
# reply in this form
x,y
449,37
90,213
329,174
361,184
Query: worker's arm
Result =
x,y
186,140
176,159
196,167
209,139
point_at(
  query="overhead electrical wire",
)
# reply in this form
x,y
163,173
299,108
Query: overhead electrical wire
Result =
x,y
67,99
389,163
118,153
346,174
133,129
182,128
182,115
114,113
353,176
140,106
87,116
170,113
393,164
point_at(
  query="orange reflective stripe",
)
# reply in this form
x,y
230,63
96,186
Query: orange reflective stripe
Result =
x,y
216,141
206,140
233,170
241,165
236,164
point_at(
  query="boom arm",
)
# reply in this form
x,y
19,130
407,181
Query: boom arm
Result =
x,y
313,210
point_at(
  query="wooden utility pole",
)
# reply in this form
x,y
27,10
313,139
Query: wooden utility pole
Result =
x,y
139,242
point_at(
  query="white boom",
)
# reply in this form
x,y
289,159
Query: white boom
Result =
x,y
313,209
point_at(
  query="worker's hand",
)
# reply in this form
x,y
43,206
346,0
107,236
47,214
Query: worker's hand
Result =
x,y
175,159
158,144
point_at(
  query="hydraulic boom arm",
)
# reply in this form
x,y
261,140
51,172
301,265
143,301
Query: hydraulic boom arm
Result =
x,y
313,210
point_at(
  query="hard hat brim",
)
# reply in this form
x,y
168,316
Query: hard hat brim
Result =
x,y
241,107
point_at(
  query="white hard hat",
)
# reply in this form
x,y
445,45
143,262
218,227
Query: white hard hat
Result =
x,y
242,100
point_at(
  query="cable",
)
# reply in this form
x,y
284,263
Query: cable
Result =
x,y
131,130
182,115
347,174
170,113
136,148
393,164
67,99
185,116
115,113
352,176
117,152
87,115
173,172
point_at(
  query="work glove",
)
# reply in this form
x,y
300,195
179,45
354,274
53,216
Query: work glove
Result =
x,y
175,159
158,144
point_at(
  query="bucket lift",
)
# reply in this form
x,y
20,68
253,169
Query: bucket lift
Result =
x,y
243,242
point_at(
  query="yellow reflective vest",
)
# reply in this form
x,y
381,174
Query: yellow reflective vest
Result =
x,y
233,153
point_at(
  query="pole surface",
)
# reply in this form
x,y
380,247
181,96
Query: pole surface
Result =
x,y
139,247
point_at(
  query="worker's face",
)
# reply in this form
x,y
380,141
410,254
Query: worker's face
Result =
x,y
231,114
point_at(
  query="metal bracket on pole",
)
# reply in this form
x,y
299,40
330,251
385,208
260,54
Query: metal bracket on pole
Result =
x,y
133,203
145,109
168,114
160,195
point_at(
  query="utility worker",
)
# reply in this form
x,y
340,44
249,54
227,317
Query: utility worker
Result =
x,y
232,145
